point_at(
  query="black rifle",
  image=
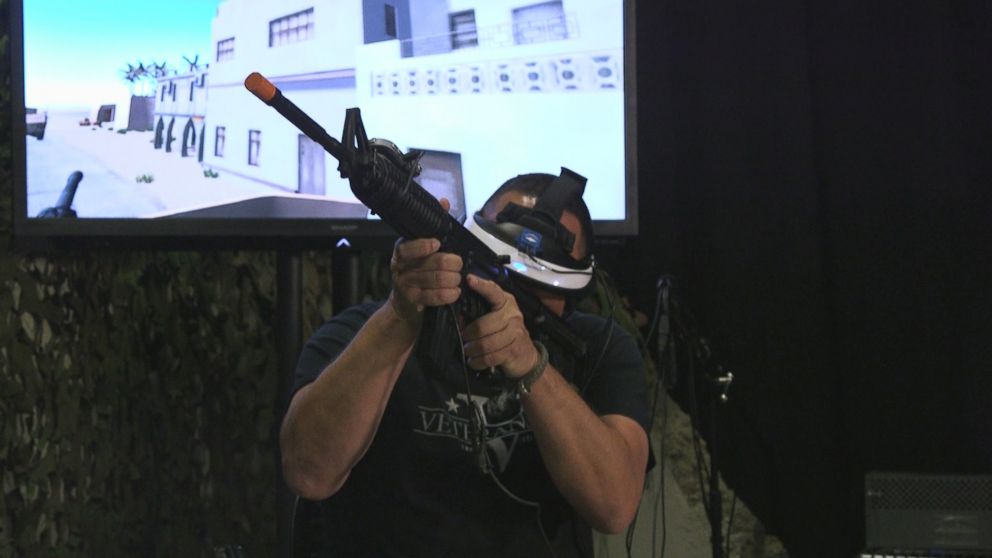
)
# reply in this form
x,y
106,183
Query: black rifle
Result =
x,y
382,178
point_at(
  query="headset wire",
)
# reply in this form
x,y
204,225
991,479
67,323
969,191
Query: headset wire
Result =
x,y
479,439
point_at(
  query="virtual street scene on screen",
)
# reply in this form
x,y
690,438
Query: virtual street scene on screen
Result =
x,y
147,101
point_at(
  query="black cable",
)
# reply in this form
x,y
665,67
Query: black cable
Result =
x,y
629,537
694,349
610,325
536,505
698,352
716,495
730,523
479,440
660,499
476,425
645,343
706,474
668,364
654,320
701,469
659,386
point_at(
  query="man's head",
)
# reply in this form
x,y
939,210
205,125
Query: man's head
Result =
x,y
541,222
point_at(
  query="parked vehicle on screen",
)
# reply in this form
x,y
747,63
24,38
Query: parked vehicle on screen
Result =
x,y
35,122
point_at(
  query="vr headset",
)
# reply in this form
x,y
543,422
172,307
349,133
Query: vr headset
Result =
x,y
538,245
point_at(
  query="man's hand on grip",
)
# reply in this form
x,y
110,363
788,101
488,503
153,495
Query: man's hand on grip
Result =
x,y
499,338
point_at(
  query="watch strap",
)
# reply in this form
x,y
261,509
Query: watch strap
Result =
x,y
526,382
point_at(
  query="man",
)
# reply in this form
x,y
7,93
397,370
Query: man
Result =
x,y
507,451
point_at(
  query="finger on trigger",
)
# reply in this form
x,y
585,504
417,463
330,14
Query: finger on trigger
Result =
x,y
489,290
417,248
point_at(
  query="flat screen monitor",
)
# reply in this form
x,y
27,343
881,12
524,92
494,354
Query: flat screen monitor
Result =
x,y
136,124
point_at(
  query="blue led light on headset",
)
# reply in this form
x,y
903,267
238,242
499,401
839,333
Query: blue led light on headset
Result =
x,y
529,241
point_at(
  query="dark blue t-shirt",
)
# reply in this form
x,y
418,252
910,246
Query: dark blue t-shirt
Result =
x,y
420,491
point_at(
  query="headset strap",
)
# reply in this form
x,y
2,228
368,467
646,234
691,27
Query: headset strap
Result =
x,y
569,186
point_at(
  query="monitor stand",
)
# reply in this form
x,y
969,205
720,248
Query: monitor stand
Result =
x,y
289,342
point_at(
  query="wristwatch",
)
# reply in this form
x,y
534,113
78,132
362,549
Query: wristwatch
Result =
x,y
526,382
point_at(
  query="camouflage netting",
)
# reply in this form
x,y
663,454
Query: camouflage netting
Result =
x,y
137,395
137,404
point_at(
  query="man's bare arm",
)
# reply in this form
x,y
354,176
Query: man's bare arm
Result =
x,y
331,422
597,462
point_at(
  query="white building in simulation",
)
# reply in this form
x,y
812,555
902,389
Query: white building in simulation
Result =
x,y
480,85
307,49
180,112
493,85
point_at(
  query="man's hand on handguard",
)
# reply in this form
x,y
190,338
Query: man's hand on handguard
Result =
x,y
499,338
423,277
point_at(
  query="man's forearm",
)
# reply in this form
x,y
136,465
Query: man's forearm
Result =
x,y
331,422
597,463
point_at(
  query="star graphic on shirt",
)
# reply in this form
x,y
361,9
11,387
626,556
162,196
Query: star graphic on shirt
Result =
x,y
452,405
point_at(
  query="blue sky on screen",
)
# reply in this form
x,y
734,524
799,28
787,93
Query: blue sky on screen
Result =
x,y
75,51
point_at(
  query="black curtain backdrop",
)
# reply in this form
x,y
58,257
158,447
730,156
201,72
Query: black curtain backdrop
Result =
x,y
816,176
